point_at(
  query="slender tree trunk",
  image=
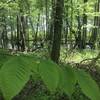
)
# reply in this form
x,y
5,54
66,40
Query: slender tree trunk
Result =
x,y
95,30
37,29
79,37
23,33
12,36
4,33
58,16
18,33
51,30
71,25
47,17
84,35
66,26
32,26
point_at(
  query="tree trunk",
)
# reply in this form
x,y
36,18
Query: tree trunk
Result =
x,y
58,16
95,30
18,33
84,35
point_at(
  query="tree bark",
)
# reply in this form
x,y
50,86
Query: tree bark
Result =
x,y
58,16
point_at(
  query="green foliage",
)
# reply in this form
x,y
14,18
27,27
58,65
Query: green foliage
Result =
x,y
88,85
67,80
16,71
49,74
14,74
4,56
32,62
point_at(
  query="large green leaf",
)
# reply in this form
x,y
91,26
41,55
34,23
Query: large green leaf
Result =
x,y
32,62
67,80
4,56
49,74
88,85
3,59
13,76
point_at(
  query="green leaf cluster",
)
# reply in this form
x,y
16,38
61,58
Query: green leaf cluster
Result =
x,y
16,70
